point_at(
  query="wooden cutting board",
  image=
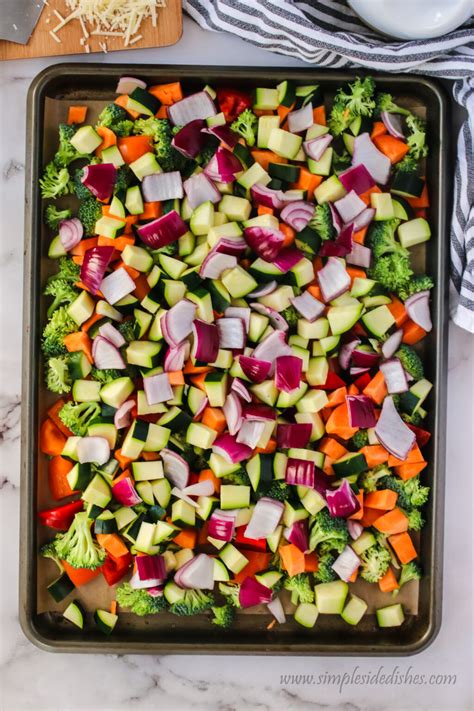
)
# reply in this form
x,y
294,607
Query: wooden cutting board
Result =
x,y
41,44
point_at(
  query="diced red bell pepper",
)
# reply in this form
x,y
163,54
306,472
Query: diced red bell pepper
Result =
x,y
422,436
232,102
114,569
333,381
61,517
256,544
362,381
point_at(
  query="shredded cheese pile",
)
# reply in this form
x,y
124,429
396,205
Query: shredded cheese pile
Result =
x,y
108,18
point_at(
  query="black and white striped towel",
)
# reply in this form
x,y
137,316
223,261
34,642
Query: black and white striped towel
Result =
x,y
306,30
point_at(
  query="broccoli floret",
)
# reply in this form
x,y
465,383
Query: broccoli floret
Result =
x,y
300,587
116,118
393,271
411,361
414,286
408,164
66,152
55,181
375,562
369,480
325,572
194,602
347,106
78,416
328,529
67,270
89,212
415,419
278,490
239,477
410,493
231,593
77,546
416,139
62,291
207,152
48,550
53,216
223,616
105,376
123,180
127,329
246,126
322,222
415,520
162,134
385,102
410,571
359,440
291,316
58,379
140,602
381,239
169,249
79,189
58,326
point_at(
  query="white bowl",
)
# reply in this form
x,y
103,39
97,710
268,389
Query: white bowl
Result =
x,y
413,19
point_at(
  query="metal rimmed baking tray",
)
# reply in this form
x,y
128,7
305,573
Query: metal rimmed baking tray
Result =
x,y
43,624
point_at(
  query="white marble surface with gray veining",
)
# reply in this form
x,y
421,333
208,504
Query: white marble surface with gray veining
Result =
x,y
33,679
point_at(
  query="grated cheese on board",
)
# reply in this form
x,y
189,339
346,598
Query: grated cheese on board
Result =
x,y
112,18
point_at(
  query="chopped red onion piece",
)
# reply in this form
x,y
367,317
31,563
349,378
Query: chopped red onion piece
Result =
x,y
162,186
360,256
300,472
117,285
363,218
94,266
301,119
315,147
222,525
368,155
226,446
231,333
215,263
355,528
342,502
239,388
125,493
250,433
153,587
392,344
276,319
346,564
100,179
288,371
293,435
308,306
179,493
162,231
190,140
259,413
418,309
176,356
255,369
231,246
197,573
176,468
151,567
333,279
393,124
349,206
297,214
233,413
199,188
206,342
201,488
127,84
392,432
106,355
271,348
346,351
241,312
253,593
112,334
263,195
287,259
363,358
196,106
361,411
93,449
177,323
394,376
357,178
264,241
224,134
298,534
157,388
341,246
122,417
70,233
276,608
223,166
263,290
266,516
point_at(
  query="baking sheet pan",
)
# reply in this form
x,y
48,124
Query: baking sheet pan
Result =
x,y
42,621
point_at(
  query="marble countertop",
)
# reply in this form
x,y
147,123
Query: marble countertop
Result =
x,y
438,679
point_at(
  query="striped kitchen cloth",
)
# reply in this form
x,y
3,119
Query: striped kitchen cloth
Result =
x,y
306,30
